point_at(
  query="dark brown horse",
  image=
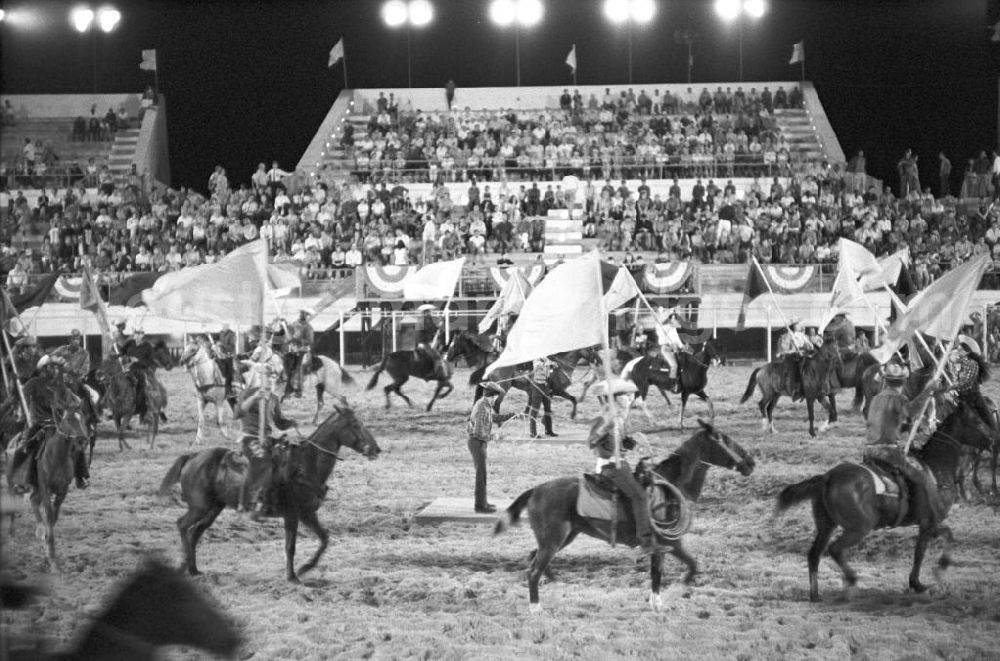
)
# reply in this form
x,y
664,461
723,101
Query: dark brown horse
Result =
x,y
156,607
211,480
401,365
818,369
692,370
559,381
846,496
871,384
556,523
120,393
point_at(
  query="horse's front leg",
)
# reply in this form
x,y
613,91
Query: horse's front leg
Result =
x,y
311,522
711,405
655,579
811,409
923,539
684,401
291,532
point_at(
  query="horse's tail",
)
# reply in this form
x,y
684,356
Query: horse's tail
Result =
x,y
750,386
477,375
511,516
859,391
378,370
174,474
796,493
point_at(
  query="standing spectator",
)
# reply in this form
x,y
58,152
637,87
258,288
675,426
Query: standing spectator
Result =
x,y
274,176
944,169
480,429
449,93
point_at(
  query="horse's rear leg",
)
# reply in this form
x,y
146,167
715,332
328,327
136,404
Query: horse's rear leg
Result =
x,y
120,424
154,427
311,521
824,530
291,532
838,551
679,552
923,539
185,527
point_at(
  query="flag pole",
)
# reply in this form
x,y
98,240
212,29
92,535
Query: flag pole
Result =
x,y
346,86
264,377
606,351
938,373
17,379
774,300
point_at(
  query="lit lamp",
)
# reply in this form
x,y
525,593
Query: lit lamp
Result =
x,y
737,10
416,13
519,13
84,18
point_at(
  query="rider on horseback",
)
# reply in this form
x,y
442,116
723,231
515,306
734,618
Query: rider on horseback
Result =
x,y
792,346
969,370
300,341
427,335
49,402
253,493
670,342
75,355
224,352
609,441
143,362
889,414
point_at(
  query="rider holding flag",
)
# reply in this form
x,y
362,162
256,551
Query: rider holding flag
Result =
x,y
670,342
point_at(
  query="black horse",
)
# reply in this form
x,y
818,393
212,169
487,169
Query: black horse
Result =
x,y
846,496
556,523
818,370
121,392
401,365
692,371
211,480
475,349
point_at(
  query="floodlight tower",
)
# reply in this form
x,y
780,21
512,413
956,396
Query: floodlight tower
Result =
x,y
84,19
520,14
629,13
412,14
740,11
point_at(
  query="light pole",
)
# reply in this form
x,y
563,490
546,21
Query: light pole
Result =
x,y
519,13
83,19
737,10
415,13
629,12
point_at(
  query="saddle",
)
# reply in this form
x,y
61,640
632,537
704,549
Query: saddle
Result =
x,y
890,482
600,502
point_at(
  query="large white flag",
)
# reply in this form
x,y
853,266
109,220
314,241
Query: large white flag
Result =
x,y
231,290
938,310
891,266
563,313
846,293
436,280
860,260
621,290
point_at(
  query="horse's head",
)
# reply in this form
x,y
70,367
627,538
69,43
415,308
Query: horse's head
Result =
x,y
712,352
162,356
191,350
460,346
963,424
159,606
350,431
723,451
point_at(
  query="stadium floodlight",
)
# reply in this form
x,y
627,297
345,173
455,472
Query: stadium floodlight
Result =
x,y
394,13
617,11
643,11
755,8
108,18
628,12
81,18
519,13
3,15
415,13
728,10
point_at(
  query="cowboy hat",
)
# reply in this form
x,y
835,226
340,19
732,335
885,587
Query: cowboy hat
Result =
x,y
895,372
969,344
49,359
490,388
121,323
618,386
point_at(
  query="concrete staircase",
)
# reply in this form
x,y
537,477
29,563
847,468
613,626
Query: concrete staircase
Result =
x,y
123,151
563,234
798,129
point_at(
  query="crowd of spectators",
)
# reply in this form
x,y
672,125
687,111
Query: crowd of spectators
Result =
x,y
725,133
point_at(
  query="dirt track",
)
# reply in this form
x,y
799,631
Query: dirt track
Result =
x,y
389,590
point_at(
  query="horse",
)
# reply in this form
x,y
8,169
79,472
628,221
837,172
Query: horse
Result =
x,y
556,522
846,496
211,480
469,345
156,607
851,372
328,376
401,365
209,385
120,393
871,384
692,372
817,370
54,461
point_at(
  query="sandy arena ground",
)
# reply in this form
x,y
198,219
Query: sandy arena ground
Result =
x,y
387,589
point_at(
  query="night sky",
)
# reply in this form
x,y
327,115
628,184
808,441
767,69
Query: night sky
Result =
x,y
247,81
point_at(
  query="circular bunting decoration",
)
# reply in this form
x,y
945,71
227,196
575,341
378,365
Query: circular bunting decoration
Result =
x,y
790,279
68,288
387,280
666,278
500,275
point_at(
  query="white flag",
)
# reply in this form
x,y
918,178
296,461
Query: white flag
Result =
x,y
571,59
846,292
563,313
148,60
891,266
433,281
860,260
336,53
798,53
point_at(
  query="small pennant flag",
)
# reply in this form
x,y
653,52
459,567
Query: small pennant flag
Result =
x,y
336,53
995,37
571,59
756,285
148,60
798,53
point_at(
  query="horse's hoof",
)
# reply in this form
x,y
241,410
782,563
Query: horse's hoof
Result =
x,y
535,609
655,602
814,597
294,579
917,586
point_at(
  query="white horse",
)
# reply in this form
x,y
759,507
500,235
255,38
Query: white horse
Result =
x,y
325,374
210,386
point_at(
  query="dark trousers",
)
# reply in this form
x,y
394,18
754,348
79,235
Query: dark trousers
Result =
x,y
622,478
540,397
477,449
226,367
928,508
258,476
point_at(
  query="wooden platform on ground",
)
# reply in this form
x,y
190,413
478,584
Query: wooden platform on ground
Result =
x,y
454,509
561,439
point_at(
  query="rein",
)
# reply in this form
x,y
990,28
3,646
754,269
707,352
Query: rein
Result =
x,y
126,639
